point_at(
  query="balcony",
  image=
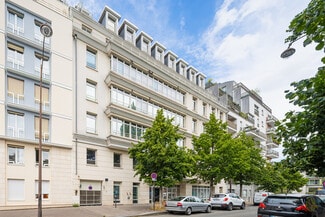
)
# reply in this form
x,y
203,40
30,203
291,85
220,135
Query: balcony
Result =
x,y
272,154
272,143
232,127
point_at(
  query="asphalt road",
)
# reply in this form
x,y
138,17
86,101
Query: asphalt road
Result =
x,y
250,211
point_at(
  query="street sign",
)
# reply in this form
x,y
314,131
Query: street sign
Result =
x,y
154,176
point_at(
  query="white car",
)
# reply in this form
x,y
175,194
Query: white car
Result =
x,y
227,201
260,196
187,205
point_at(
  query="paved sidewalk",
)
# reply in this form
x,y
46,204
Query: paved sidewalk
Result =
x,y
87,211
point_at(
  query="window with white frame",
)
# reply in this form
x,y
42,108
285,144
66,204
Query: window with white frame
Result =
x,y
15,91
45,97
15,56
145,46
46,65
194,104
39,37
16,124
45,129
194,125
45,189
91,156
110,24
91,58
15,21
117,160
15,155
129,35
204,109
91,122
91,90
256,110
45,157
16,189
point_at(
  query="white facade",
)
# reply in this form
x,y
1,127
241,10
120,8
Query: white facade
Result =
x,y
103,86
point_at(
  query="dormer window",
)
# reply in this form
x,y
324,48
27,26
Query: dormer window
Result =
x,y
129,35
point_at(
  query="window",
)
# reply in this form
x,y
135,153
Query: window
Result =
x,y
204,109
91,156
180,143
194,104
91,123
91,58
45,128
16,189
91,90
46,65
256,110
202,192
194,125
15,22
15,90
45,97
129,35
117,160
86,28
45,189
145,46
110,24
16,125
15,155
15,56
116,189
45,157
37,33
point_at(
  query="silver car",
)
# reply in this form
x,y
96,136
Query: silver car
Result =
x,y
187,205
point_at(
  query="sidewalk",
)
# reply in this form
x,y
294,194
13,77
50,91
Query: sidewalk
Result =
x,y
133,210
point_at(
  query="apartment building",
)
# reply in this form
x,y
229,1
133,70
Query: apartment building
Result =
x,y
102,85
21,51
248,113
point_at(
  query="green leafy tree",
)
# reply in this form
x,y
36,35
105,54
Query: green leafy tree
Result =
x,y
158,153
303,132
206,151
243,160
294,180
270,179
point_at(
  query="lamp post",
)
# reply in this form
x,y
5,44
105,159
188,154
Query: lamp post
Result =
x,y
46,31
290,50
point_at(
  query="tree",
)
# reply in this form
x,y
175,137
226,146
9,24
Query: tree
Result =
x,y
243,160
206,151
270,179
303,132
294,180
158,153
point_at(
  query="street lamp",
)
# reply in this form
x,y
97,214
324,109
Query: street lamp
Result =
x,y
46,31
290,50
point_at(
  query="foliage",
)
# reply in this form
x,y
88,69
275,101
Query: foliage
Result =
x,y
270,179
278,177
243,160
303,132
159,153
206,151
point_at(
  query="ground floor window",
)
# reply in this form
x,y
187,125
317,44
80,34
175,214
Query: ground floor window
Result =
x,y
16,189
202,192
45,189
135,192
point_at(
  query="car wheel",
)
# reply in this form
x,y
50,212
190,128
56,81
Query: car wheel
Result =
x,y
208,210
243,206
188,211
171,212
229,206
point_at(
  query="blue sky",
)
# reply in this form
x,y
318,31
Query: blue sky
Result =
x,y
238,40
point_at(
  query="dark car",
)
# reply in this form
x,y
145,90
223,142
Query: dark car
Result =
x,y
291,205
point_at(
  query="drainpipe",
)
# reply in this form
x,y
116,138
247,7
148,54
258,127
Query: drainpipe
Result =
x,y
76,101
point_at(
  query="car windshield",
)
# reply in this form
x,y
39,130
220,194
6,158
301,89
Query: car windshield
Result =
x,y
219,195
284,200
177,198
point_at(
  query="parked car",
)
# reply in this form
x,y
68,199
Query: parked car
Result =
x,y
291,205
322,197
260,196
187,205
227,201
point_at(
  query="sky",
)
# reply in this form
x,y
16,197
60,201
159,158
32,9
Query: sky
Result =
x,y
227,40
